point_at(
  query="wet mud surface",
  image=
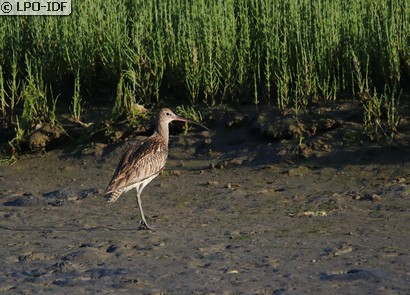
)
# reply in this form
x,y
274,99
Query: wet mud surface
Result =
x,y
240,211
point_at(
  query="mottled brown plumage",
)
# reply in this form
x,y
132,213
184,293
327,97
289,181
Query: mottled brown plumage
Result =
x,y
142,163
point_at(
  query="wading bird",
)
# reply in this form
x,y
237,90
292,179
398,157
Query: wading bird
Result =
x,y
143,162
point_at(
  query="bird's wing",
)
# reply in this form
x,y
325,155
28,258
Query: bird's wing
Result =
x,y
139,163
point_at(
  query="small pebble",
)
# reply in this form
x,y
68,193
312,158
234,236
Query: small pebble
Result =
x,y
233,271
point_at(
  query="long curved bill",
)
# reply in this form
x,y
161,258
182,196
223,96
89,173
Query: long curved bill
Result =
x,y
178,118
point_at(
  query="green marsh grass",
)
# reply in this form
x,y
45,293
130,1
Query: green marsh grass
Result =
x,y
4,105
189,112
77,104
125,99
284,53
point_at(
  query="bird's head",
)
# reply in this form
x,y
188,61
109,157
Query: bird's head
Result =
x,y
166,116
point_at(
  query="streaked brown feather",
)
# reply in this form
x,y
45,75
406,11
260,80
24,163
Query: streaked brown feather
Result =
x,y
139,163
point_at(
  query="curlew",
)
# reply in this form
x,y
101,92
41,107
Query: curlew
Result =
x,y
143,162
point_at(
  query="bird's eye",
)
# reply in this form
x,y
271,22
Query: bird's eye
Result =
x,y
168,114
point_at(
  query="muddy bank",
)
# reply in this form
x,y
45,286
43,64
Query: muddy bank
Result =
x,y
235,212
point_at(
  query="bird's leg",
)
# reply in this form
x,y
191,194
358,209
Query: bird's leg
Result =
x,y
143,222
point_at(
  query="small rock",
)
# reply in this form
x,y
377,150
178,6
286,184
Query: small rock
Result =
x,y
232,271
38,140
175,172
99,149
405,190
59,197
220,165
314,213
111,249
351,275
236,120
367,197
376,198
42,135
299,171
21,201
237,162
342,249
232,185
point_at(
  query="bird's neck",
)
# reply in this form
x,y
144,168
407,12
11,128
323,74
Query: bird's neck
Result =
x,y
162,130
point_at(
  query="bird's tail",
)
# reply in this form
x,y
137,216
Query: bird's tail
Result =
x,y
114,196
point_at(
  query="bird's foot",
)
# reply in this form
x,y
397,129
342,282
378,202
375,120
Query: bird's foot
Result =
x,y
144,226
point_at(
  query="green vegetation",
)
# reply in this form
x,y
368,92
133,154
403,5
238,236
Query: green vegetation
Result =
x,y
284,53
189,113
76,103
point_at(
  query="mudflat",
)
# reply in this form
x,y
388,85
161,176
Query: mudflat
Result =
x,y
235,212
